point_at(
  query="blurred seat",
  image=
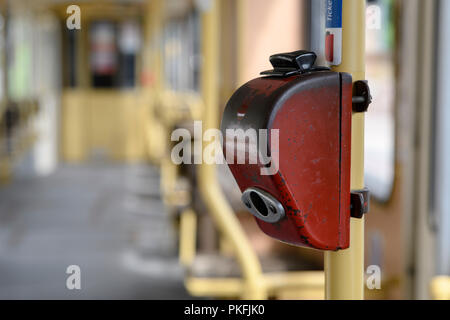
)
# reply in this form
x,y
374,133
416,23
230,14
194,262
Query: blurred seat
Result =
x,y
222,266
440,288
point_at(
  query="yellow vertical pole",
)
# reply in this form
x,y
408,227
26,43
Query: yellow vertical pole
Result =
x,y
155,17
188,233
344,270
153,65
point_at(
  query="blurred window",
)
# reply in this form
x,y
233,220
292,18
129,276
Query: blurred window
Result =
x,y
113,49
129,41
182,52
103,54
70,66
380,122
19,65
441,170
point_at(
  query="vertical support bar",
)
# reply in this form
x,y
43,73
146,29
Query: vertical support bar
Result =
x,y
153,36
188,233
5,168
344,270
240,19
154,78
424,243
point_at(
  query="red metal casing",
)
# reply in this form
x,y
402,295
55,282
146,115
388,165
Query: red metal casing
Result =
x,y
313,113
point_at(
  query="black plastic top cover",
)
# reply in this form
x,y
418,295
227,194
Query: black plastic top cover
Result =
x,y
287,64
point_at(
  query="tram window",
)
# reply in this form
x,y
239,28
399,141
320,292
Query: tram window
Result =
x,y
19,73
113,51
103,55
129,45
380,122
182,52
70,72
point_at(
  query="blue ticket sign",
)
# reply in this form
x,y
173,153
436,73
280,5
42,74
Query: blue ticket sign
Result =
x,y
333,29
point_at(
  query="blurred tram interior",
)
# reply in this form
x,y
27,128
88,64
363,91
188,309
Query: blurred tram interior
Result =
x,y
90,94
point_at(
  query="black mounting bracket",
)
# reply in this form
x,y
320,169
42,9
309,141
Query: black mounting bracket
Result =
x,y
361,96
359,203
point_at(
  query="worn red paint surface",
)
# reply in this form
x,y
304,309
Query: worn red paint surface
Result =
x,y
313,115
